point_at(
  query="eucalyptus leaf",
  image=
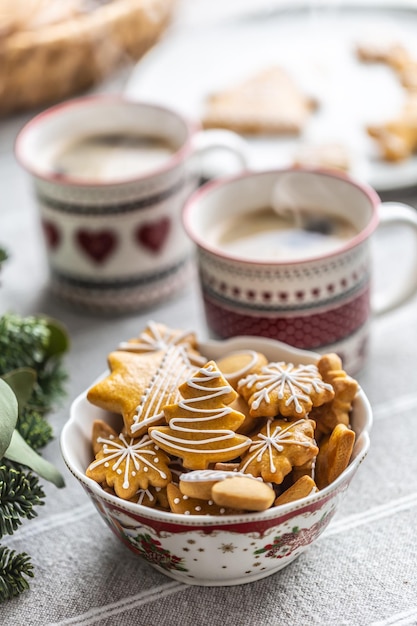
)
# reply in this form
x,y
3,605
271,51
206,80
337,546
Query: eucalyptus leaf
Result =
x,y
22,381
58,337
8,415
19,452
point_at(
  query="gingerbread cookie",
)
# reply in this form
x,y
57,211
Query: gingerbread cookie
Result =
x,y
285,389
330,156
334,455
202,426
128,465
101,430
303,487
139,385
337,411
397,138
199,483
240,363
180,503
269,102
278,447
158,337
391,53
243,493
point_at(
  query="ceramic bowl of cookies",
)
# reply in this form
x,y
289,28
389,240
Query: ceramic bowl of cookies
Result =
x,y
217,462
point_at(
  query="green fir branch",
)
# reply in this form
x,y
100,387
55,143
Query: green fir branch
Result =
x,y
14,568
25,342
34,428
19,494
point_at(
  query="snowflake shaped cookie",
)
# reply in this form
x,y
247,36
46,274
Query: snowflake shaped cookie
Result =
x,y
128,465
278,447
285,389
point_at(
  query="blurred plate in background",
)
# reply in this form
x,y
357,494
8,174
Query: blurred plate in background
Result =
x,y
316,44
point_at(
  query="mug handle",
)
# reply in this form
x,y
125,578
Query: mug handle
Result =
x,y
401,214
211,140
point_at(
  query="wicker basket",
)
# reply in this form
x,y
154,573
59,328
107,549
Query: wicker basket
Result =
x,y
48,64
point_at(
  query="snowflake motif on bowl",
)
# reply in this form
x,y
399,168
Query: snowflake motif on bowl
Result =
x,y
284,545
152,550
227,548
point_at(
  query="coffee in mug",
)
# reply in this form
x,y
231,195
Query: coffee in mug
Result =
x,y
281,234
110,157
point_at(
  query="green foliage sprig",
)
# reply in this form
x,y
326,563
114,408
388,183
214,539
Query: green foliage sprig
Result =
x,y
32,380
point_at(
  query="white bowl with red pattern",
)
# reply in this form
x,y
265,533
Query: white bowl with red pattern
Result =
x,y
216,550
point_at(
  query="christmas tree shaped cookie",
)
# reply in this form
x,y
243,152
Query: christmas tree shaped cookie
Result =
x,y
141,383
201,426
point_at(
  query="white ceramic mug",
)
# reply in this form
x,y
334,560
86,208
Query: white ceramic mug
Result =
x,y
320,302
116,244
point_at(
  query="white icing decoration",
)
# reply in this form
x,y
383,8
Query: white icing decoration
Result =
x,y
239,373
275,440
192,424
142,493
154,340
175,367
196,476
131,451
298,380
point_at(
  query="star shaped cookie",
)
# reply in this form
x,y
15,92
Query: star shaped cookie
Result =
x,y
139,386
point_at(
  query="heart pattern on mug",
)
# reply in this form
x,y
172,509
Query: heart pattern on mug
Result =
x,y
52,234
98,245
153,235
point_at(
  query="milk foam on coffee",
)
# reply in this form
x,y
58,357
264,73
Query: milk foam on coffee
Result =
x,y
262,234
111,156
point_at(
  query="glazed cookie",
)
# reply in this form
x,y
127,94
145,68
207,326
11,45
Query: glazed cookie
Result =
x,y
240,363
302,488
199,483
139,385
397,138
158,337
201,426
334,455
391,53
128,465
278,447
285,389
333,156
268,102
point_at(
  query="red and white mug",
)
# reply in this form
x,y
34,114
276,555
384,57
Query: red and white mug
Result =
x,y
117,244
320,302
